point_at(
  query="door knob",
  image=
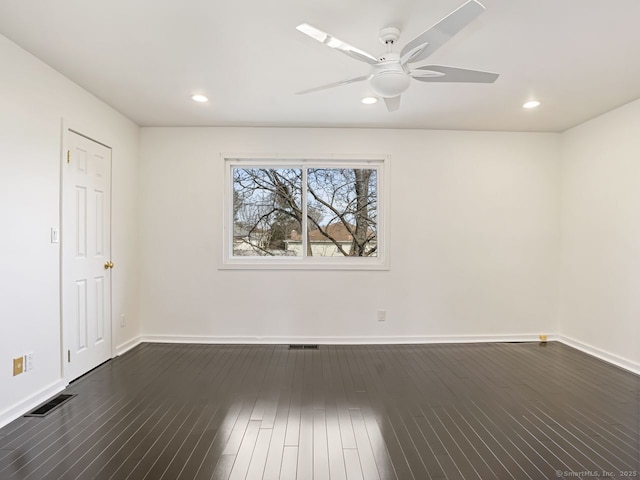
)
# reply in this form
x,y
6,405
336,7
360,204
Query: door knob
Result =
x,y
108,265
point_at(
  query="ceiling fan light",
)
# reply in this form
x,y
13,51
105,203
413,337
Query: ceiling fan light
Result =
x,y
389,83
197,97
531,104
369,100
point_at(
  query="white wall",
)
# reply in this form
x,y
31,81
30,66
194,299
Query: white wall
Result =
x,y
600,279
480,208
33,100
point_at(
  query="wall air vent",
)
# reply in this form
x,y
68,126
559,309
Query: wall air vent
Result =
x,y
303,347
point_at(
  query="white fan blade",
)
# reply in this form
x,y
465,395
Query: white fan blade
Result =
x,y
440,73
411,54
333,42
336,84
392,103
420,74
442,31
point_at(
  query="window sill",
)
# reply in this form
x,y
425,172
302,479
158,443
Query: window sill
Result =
x,y
299,264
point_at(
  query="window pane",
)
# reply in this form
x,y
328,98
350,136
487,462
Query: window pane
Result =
x,y
342,212
267,211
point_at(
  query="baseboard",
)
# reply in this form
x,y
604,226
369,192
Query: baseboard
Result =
x,y
391,340
608,357
128,345
10,414
342,340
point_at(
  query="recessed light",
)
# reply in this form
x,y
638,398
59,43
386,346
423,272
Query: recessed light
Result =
x,y
531,104
369,100
199,98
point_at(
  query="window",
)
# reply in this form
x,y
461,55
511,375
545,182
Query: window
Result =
x,y
304,213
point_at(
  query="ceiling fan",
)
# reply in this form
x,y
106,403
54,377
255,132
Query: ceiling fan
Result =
x,y
391,73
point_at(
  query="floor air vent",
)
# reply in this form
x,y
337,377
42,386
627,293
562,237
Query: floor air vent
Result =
x,y
48,407
303,347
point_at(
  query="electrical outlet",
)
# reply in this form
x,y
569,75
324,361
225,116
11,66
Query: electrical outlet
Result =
x,y
382,315
28,362
18,366
122,322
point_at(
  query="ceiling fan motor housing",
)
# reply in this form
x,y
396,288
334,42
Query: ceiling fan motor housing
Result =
x,y
389,79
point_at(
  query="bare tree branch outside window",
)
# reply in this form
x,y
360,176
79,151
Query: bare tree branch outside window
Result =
x,y
267,206
341,206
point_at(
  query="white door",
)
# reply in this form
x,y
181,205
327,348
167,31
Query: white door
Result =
x,y
86,254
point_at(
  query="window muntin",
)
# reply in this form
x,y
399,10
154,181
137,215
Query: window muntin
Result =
x,y
303,213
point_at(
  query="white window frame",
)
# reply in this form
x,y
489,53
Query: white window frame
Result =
x,y
379,262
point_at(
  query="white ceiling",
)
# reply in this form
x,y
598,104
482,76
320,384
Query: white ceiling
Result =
x,y
580,58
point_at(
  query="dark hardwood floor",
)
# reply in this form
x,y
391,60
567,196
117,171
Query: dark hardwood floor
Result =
x,y
472,411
